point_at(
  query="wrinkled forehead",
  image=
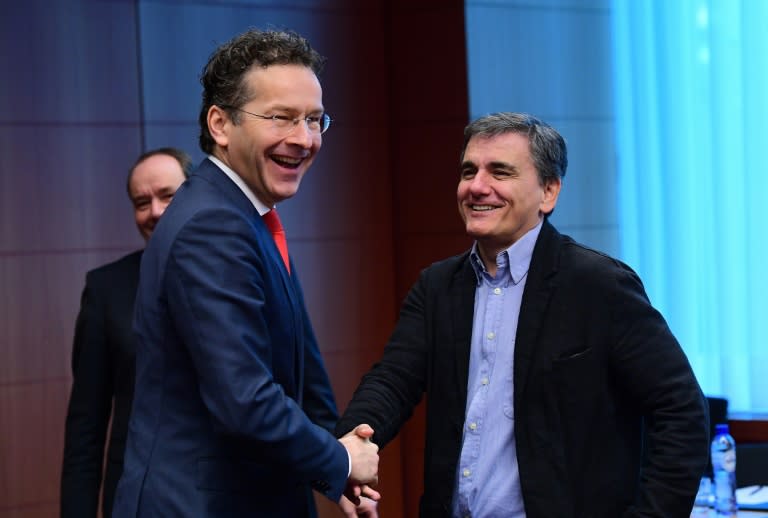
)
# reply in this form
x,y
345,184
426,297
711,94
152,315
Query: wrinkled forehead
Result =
x,y
507,147
156,172
284,85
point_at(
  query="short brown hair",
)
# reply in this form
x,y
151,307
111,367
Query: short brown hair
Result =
x,y
181,157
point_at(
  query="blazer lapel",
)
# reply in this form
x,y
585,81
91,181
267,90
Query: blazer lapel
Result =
x,y
211,173
538,290
463,287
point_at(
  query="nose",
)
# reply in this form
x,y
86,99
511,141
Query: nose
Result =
x,y
479,183
157,208
301,135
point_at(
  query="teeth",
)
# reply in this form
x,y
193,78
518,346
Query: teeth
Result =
x,y
481,207
287,160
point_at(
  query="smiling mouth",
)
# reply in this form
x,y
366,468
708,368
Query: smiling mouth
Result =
x,y
286,161
481,208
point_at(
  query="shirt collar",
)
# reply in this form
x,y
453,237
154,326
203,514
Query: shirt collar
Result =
x,y
516,259
261,207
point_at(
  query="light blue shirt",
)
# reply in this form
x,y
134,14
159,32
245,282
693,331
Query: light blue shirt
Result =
x,y
487,479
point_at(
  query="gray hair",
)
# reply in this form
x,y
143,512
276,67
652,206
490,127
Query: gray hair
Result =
x,y
547,146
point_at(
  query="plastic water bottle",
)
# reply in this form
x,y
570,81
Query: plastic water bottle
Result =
x,y
724,471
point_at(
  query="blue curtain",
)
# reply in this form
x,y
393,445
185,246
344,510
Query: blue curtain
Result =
x,y
691,105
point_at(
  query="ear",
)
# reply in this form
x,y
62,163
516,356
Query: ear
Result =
x,y
218,125
549,195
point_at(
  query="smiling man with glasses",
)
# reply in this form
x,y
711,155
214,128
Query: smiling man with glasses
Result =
x,y
285,123
233,408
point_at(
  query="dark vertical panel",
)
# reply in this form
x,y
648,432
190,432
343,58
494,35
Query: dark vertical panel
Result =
x,y
428,82
68,62
68,133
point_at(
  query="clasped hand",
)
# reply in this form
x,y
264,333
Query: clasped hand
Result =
x,y
365,464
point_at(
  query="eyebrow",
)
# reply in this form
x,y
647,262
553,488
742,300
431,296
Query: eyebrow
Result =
x,y
291,109
164,190
496,164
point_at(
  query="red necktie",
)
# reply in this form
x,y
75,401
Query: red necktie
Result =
x,y
272,220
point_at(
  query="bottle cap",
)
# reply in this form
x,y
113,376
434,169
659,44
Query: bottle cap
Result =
x,y
721,428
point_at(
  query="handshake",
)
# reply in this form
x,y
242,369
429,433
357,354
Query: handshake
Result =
x,y
364,476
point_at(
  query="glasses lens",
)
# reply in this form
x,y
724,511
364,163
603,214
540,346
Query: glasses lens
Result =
x,y
325,123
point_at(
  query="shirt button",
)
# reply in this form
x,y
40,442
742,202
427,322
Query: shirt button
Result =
x,y
491,335
466,472
497,291
473,426
484,381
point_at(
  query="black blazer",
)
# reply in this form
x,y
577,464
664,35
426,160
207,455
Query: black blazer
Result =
x,y
596,373
103,368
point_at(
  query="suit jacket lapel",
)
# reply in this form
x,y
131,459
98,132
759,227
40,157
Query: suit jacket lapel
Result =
x,y
211,173
538,290
464,283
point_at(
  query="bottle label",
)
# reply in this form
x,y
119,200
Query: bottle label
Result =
x,y
729,461
725,460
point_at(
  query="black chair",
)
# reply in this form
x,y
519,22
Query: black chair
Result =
x,y
718,414
752,464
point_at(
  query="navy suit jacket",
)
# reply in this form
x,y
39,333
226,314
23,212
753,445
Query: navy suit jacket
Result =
x,y
103,369
609,419
233,407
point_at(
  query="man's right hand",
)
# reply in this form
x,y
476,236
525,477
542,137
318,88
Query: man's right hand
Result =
x,y
367,508
364,455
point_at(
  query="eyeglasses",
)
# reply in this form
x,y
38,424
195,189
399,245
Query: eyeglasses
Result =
x,y
283,123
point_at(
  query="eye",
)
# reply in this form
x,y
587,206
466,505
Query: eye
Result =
x,y
282,120
468,173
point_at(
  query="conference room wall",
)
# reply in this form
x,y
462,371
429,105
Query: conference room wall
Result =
x,y
89,84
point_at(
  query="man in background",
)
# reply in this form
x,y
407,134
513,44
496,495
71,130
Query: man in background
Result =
x,y
233,410
104,348
554,388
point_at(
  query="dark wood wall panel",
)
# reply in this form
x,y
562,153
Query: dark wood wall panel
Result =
x,y
63,187
428,79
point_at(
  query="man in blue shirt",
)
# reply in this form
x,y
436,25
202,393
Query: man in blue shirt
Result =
x,y
562,392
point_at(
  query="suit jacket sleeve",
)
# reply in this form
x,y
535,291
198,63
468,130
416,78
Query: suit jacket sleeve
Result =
x,y
217,295
89,408
654,370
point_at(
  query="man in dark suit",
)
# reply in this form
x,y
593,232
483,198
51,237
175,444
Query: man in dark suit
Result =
x,y
233,411
104,348
554,387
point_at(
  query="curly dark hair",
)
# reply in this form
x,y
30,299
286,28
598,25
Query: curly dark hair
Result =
x,y
222,77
